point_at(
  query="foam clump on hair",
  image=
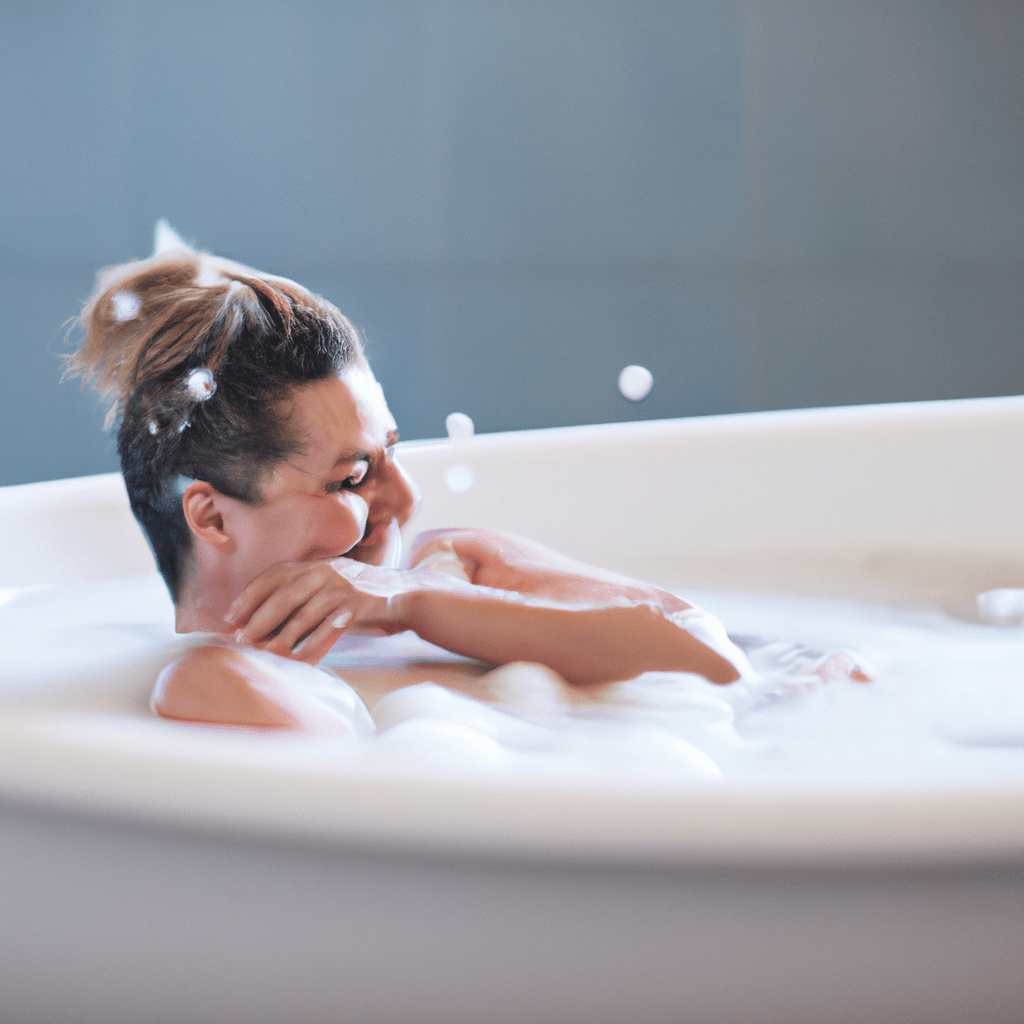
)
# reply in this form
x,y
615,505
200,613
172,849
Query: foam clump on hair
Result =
x,y
166,239
126,305
196,354
201,384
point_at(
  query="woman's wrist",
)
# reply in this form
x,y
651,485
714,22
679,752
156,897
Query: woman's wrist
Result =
x,y
668,602
392,595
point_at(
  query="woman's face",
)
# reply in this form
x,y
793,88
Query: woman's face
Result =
x,y
344,493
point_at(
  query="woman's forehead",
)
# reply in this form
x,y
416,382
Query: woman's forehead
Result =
x,y
343,416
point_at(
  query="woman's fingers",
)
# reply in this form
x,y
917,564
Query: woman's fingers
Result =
x,y
316,644
299,611
254,594
431,542
327,605
468,546
483,545
286,596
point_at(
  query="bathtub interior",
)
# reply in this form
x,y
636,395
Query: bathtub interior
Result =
x,y
909,506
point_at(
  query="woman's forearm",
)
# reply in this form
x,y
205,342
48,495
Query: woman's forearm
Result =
x,y
584,645
596,630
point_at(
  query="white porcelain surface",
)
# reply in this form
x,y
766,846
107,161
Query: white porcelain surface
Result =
x,y
257,882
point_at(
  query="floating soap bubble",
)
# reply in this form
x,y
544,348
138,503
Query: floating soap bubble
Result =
x,y
459,426
635,383
459,478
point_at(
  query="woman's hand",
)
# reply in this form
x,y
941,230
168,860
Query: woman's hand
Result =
x,y
491,558
505,561
300,609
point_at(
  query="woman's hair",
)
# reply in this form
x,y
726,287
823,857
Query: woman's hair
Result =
x,y
198,355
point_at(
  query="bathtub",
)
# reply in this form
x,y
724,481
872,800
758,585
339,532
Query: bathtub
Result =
x,y
136,887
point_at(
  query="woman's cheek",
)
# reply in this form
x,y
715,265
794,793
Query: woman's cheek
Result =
x,y
329,525
353,512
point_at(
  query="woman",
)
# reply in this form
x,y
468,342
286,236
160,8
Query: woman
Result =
x,y
258,454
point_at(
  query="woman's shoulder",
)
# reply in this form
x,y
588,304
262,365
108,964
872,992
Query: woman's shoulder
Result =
x,y
227,684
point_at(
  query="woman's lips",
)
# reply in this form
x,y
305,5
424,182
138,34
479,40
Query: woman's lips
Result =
x,y
381,545
374,534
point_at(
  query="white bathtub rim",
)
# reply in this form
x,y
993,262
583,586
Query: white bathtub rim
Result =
x,y
816,418
719,821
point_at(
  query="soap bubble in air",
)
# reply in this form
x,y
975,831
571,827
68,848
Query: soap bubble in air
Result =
x,y
459,426
635,383
459,478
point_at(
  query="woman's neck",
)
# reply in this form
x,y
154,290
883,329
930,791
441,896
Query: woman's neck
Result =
x,y
203,601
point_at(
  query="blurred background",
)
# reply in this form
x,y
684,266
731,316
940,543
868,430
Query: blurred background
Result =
x,y
769,204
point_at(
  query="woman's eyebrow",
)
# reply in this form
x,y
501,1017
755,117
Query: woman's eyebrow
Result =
x,y
389,440
350,457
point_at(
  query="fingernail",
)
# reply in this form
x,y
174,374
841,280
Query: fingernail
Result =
x,y
298,647
239,636
342,620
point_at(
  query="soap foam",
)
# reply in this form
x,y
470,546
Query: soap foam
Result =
x,y
946,706
126,306
1002,607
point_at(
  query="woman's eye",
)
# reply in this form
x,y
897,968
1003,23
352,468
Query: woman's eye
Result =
x,y
354,479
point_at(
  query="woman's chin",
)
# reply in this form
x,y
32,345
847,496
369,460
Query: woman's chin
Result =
x,y
382,547
371,554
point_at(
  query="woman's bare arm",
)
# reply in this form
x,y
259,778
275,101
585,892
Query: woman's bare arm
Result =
x,y
589,628
591,642
583,645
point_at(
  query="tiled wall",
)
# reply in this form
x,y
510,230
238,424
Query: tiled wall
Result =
x,y
770,204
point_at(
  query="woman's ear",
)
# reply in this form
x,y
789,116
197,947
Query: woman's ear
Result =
x,y
201,504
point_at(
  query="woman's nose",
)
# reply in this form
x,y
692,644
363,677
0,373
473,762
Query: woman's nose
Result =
x,y
358,513
398,493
